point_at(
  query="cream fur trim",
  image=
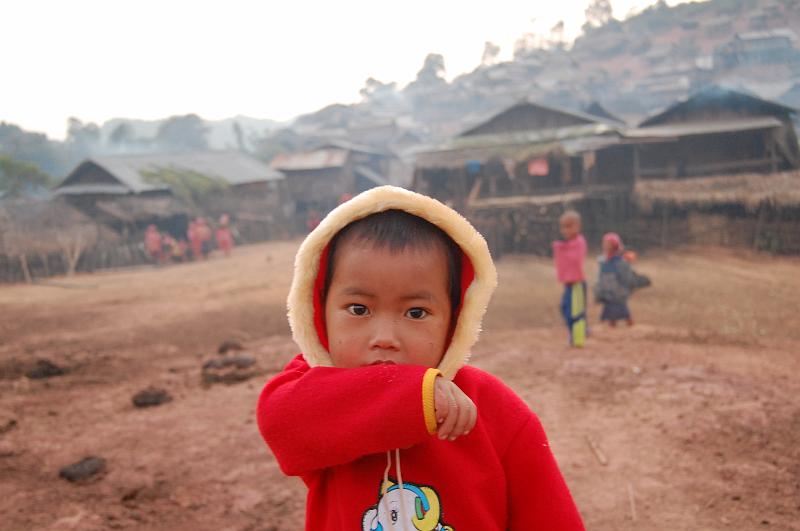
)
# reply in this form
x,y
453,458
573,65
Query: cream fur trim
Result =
x,y
306,265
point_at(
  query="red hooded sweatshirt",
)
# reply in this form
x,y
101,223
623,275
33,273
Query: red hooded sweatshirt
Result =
x,y
363,439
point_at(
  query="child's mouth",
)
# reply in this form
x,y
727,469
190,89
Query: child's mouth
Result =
x,y
383,362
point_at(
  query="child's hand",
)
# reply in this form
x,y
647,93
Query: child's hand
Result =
x,y
455,412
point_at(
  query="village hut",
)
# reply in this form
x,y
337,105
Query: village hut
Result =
x,y
128,192
716,131
528,148
318,179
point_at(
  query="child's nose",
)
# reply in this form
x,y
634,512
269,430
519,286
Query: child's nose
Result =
x,y
384,334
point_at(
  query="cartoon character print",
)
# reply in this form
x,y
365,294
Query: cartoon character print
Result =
x,y
420,506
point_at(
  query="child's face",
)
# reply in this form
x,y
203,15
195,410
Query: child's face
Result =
x,y
570,227
385,307
609,246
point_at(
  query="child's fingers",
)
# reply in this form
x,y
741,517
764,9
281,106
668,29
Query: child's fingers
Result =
x,y
465,409
473,416
451,415
458,421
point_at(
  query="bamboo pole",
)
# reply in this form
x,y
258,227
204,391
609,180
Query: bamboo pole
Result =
x,y
23,260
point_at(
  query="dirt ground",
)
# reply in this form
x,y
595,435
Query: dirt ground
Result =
x,y
694,412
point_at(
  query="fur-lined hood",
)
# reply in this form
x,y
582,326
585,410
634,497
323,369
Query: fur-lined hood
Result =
x,y
304,295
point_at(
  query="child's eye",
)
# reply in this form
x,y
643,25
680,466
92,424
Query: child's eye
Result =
x,y
416,313
357,309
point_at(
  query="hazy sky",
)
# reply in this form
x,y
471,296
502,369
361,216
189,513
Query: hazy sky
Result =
x,y
100,59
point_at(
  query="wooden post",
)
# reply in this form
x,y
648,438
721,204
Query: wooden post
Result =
x,y
759,224
566,171
664,222
23,260
43,258
773,161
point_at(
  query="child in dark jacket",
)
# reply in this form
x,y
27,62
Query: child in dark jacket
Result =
x,y
615,283
386,302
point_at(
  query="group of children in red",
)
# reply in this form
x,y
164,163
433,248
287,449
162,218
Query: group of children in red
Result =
x,y
616,279
163,247
387,299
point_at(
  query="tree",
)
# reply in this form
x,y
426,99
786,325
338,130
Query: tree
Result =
x,y
183,133
191,186
374,89
82,137
557,35
121,135
16,177
598,13
433,69
50,156
490,53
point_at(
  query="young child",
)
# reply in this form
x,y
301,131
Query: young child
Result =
x,y
225,235
569,254
380,415
615,281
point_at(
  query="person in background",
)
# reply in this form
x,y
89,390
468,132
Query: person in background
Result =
x,y
312,219
224,235
196,245
569,254
152,243
615,282
205,234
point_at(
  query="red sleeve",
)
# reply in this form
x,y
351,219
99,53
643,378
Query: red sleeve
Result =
x,y
538,496
314,418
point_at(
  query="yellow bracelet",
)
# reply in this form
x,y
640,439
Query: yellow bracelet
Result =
x,y
428,402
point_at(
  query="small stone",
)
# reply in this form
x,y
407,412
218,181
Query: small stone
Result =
x,y
7,422
45,369
152,396
83,469
229,369
229,345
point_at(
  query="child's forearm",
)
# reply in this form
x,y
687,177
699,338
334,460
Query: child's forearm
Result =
x,y
321,417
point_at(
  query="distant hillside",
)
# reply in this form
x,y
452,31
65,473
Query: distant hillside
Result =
x,y
631,67
220,134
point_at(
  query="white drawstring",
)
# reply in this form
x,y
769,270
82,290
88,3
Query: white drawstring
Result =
x,y
400,483
385,484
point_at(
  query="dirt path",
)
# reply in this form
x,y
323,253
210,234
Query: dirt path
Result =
x,y
695,409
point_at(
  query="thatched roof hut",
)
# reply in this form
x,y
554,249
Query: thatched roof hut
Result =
x,y
748,190
28,226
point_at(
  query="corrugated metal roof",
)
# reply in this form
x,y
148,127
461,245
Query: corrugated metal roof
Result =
x,y
519,146
675,130
530,102
110,189
310,160
711,97
231,167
